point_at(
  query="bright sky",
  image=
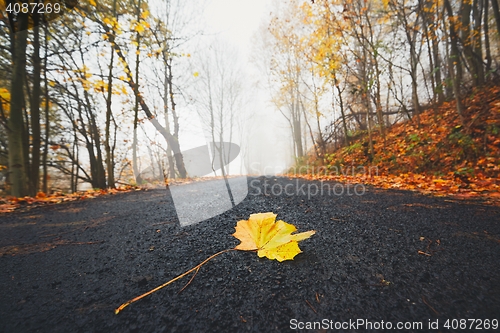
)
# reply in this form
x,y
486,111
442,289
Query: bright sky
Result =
x,y
237,19
237,22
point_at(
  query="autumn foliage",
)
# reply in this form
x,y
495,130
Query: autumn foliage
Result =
x,y
10,204
442,155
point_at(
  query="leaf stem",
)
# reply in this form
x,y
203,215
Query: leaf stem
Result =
x,y
196,268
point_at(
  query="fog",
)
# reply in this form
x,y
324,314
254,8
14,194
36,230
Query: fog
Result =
x,y
228,29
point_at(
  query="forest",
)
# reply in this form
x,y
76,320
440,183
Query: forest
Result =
x,y
142,141
95,93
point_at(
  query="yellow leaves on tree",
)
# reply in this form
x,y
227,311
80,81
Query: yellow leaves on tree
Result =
x,y
139,26
261,233
323,44
3,6
100,86
5,101
145,14
270,238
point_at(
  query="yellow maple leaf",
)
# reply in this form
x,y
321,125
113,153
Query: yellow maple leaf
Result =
x,y
262,233
272,239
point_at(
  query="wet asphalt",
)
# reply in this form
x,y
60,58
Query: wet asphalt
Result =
x,y
378,255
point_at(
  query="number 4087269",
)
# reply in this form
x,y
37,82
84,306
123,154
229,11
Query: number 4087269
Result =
x,y
33,8
478,324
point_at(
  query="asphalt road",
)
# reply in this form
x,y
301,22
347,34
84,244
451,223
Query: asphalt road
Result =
x,y
198,201
378,255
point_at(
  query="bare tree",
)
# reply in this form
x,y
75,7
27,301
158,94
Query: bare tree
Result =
x,y
219,94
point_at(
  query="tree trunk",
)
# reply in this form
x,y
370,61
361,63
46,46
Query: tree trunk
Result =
x,y
448,89
437,69
45,188
15,123
496,13
26,135
342,112
167,88
433,49
297,135
135,166
414,58
100,175
35,110
110,163
468,41
222,153
487,37
477,55
74,164
453,37
135,162
368,107
454,61
315,143
175,118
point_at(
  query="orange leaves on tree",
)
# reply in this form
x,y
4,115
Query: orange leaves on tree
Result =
x,y
270,238
261,233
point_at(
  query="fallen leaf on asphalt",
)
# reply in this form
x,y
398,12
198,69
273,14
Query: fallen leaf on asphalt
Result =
x,y
272,239
262,233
